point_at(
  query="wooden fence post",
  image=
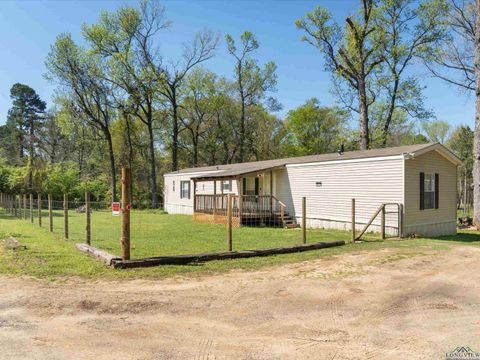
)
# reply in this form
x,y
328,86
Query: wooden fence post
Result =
x,y
382,223
25,206
229,222
87,217
39,201
31,208
50,213
14,203
400,221
353,221
125,240
19,201
304,219
65,216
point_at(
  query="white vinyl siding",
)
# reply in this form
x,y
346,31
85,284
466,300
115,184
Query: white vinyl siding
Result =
x,y
371,183
433,221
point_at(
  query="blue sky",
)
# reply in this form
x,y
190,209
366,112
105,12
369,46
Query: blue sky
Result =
x,y
28,28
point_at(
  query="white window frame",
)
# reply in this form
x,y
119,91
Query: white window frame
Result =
x,y
182,190
429,191
228,187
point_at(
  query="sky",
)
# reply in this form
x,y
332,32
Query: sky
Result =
x,y
29,28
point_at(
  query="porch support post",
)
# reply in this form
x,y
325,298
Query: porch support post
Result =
x,y
214,197
240,200
271,191
194,195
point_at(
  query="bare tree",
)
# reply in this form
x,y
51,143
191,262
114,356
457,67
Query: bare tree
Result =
x,y
458,62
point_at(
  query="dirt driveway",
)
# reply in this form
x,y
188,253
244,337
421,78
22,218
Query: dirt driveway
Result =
x,y
386,304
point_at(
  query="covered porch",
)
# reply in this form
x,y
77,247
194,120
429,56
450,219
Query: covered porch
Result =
x,y
253,200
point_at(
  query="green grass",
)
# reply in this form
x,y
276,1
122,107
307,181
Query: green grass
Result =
x,y
154,234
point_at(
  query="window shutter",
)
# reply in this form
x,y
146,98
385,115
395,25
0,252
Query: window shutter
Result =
x,y
422,191
437,193
257,186
244,186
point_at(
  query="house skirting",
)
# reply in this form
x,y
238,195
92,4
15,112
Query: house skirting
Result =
x,y
432,229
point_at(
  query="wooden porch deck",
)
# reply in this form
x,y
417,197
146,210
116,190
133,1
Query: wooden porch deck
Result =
x,y
246,209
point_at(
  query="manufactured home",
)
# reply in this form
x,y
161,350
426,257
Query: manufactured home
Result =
x,y
417,182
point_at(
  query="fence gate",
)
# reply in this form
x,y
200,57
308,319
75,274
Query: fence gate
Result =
x,y
388,218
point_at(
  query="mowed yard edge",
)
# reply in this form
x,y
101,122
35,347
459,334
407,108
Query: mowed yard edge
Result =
x,y
155,234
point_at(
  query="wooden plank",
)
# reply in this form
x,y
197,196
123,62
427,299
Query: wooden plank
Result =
x,y
97,253
193,258
229,222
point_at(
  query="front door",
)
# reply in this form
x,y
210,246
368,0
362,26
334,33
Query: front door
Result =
x,y
251,186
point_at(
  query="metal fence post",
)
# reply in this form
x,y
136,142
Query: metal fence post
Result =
x,y
353,221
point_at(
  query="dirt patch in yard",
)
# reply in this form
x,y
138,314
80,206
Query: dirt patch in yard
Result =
x,y
368,305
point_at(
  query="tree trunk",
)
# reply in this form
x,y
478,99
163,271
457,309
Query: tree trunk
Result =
x,y
476,140
175,131
30,156
242,133
391,109
363,112
153,169
113,175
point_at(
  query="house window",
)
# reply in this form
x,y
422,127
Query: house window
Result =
x,y
173,186
184,189
428,191
227,185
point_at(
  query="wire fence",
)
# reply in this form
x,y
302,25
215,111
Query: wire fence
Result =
x,y
213,224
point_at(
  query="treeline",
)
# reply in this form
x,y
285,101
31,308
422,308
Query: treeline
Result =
x,y
121,102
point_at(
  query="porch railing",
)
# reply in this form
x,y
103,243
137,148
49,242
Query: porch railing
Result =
x,y
245,205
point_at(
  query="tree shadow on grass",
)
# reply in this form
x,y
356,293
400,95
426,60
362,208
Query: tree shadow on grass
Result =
x,y
461,237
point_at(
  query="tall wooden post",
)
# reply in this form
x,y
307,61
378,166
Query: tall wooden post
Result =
x,y
125,241
353,221
31,208
65,216
214,199
304,219
25,206
14,201
229,222
400,221
271,192
50,213
382,224
87,218
19,200
39,203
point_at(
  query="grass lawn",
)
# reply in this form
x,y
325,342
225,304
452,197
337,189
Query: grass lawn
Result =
x,y
155,234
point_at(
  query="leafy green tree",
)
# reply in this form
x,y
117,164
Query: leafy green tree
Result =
x,y
461,143
312,129
251,82
61,178
87,95
437,131
352,55
26,117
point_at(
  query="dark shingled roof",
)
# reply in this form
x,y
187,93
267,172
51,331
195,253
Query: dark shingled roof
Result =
x,y
232,170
